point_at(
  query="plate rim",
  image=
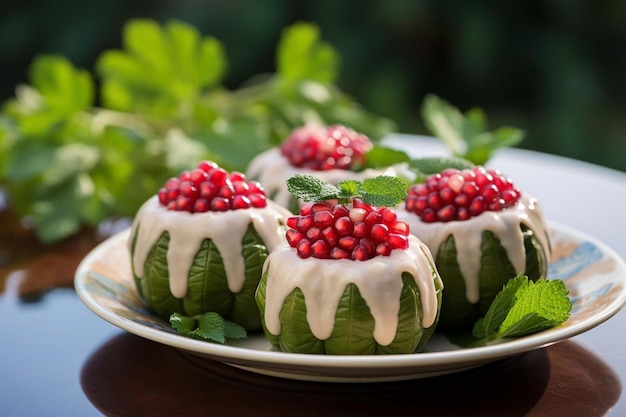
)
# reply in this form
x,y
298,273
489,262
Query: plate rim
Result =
x,y
253,357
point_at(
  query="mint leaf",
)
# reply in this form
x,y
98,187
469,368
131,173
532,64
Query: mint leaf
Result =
x,y
524,307
500,307
310,188
547,299
466,135
383,190
208,326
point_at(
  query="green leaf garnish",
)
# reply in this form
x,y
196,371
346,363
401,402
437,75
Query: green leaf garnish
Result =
x,y
163,106
382,157
208,326
524,307
466,135
423,167
382,190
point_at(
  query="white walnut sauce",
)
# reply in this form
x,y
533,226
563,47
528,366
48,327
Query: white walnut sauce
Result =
x,y
505,225
323,282
187,231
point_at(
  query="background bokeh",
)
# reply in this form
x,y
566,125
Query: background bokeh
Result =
x,y
554,68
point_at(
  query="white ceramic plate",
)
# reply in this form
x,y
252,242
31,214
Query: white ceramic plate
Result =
x,y
594,274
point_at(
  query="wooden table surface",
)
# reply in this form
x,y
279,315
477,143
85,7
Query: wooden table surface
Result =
x,y
58,358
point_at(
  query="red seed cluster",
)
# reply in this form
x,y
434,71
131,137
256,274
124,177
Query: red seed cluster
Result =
x,y
211,188
358,232
320,149
460,195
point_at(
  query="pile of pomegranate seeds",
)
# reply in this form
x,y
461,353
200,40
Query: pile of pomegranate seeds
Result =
x,y
460,195
320,149
211,188
358,232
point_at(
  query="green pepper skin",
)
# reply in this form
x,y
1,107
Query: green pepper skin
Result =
x,y
495,271
354,324
207,289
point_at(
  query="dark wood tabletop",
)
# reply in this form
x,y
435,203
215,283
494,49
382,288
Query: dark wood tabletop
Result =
x,y
59,359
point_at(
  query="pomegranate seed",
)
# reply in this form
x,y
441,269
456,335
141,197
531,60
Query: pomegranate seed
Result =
x,y
256,187
400,226
383,249
446,213
306,209
162,196
220,204
373,217
398,241
197,176
304,222
338,253
304,248
319,249
227,191
313,234
171,183
379,232
236,176
359,229
317,207
340,211
293,237
344,226
241,187
477,206
348,242
184,203
185,176
240,202
292,222
319,148
389,216
218,177
360,253
188,189
207,190
330,236
357,214
258,200
207,166
323,218
367,244
201,205
460,195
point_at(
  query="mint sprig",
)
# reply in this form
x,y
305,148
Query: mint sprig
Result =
x,y
466,134
379,191
524,307
208,326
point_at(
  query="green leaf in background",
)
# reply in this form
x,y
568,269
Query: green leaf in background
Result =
x,y
161,69
466,135
301,55
382,157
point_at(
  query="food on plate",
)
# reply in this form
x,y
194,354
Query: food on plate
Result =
x,y
350,279
482,231
332,153
199,244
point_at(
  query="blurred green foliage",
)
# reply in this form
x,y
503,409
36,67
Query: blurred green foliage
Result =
x,y
557,69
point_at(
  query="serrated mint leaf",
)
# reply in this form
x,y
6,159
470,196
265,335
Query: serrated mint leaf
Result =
x,y
525,325
546,298
310,188
500,307
234,331
349,189
208,326
183,324
211,327
384,190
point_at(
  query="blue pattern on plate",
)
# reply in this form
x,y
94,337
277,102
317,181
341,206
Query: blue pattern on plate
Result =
x,y
583,256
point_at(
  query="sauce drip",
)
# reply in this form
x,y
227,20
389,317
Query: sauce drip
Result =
x,y
187,231
505,225
323,282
